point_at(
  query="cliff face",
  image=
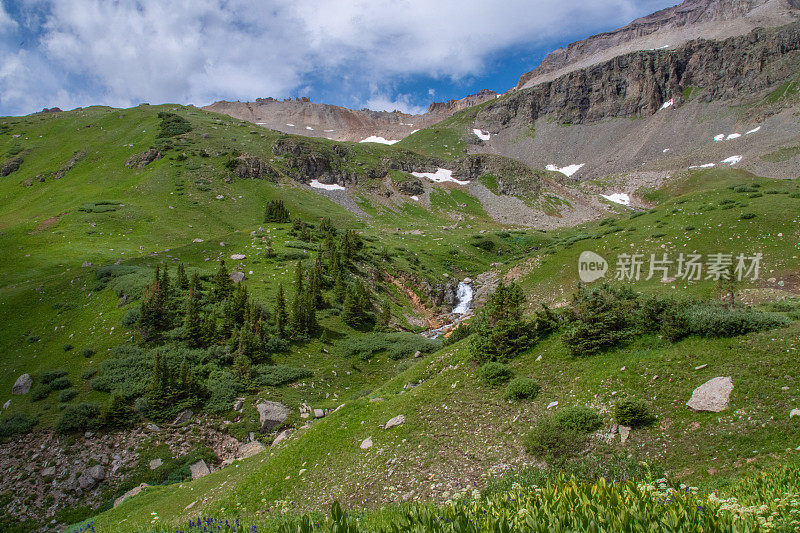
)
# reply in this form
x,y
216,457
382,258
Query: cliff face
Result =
x,y
639,83
668,28
304,117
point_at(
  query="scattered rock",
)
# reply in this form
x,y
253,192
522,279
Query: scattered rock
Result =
x,y
374,400
143,159
155,463
86,264
319,413
624,433
7,404
366,443
712,396
552,404
133,492
238,404
272,414
237,277
97,472
50,471
794,413
238,257
22,385
199,469
197,240
152,427
396,421
250,449
700,367
417,354
183,417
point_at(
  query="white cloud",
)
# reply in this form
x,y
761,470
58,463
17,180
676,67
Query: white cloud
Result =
x,y
402,102
197,51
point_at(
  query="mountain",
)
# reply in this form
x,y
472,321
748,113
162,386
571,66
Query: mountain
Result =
x,y
666,29
303,117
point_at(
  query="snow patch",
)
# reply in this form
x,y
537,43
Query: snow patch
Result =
x,y
733,136
482,135
568,170
415,131
719,138
290,125
707,165
753,130
732,160
440,176
618,198
327,186
376,139
415,198
665,150
668,103
309,128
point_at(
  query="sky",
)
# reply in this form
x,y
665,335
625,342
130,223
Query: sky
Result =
x,y
383,55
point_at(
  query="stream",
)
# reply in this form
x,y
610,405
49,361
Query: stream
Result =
x,y
464,294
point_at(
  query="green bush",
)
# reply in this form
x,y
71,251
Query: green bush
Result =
x,y
604,318
60,383
40,391
68,347
128,373
16,424
67,395
494,373
500,330
707,320
80,417
521,388
562,434
277,375
88,352
89,373
172,125
459,333
224,388
48,376
633,412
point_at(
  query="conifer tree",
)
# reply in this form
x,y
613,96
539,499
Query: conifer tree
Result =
x,y
183,281
223,285
280,312
193,323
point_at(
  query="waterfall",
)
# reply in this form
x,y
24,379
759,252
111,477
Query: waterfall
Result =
x,y
464,296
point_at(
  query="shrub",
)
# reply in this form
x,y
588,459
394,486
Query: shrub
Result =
x,y
89,373
131,317
67,395
708,320
16,424
459,333
40,391
494,373
522,388
79,417
604,318
563,433
127,374
224,388
60,383
48,376
172,125
500,330
633,412
277,375
88,352
747,216
68,347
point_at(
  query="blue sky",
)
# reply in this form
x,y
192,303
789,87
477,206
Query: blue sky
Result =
x,y
401,54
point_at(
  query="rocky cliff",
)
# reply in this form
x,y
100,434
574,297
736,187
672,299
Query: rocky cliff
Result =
x,y
668,28
640,83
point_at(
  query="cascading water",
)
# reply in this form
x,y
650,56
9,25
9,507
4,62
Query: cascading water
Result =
x,y
464,298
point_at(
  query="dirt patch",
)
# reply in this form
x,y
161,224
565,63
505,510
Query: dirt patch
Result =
x,y
46,224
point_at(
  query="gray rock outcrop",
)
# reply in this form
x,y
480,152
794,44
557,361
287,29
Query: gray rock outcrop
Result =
x,y
272,414
199,469
22,385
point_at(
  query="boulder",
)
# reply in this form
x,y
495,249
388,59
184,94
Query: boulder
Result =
x,y
183,417
238,257
96,472
624,433
22,385
712,396
793,413
282,436
237,277
399,420
238,404
366,443
133,492
272,414
50,471
249,449
199,469
155,463
86,482
319,413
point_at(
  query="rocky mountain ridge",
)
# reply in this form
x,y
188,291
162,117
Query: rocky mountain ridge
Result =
x,y
667,28
301,116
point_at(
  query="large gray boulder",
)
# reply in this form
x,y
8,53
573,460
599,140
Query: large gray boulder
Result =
x,y
22,385
183,417
399,420
250,449
272,414
199,469
712,396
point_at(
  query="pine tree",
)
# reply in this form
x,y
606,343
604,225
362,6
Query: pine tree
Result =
x,y
276,212
209,334
280,312
166,288
339,287
193,323
357,306
297,319
183,281
223,285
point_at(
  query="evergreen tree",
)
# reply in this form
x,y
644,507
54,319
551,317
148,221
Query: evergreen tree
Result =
x,y
357,306
193,323
209,333
281,316
500,330
339,287
297,319
153,315
276,212
352,245
166,288
183,281
223,285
